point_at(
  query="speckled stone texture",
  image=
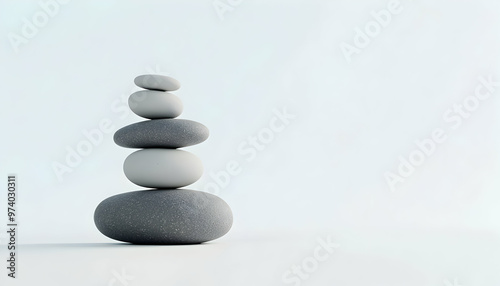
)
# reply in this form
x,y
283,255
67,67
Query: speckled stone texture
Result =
x,y
165,215
154,104
176,216
161,133
157,82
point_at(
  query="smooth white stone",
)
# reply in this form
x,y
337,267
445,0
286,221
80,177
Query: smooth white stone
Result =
x,y
154,104
162,168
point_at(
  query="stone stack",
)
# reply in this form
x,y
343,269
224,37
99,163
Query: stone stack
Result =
x,y
164,214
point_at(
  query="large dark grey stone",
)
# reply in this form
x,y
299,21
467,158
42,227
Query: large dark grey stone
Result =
x,y
168,216
161,133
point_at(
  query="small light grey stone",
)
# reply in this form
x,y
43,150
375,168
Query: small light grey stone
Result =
x,y
176,216
162,168
154,104
161,133
157,82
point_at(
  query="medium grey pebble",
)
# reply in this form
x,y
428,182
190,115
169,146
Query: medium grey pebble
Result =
x,y
161,133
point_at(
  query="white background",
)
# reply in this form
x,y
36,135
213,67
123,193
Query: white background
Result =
x,y
322,175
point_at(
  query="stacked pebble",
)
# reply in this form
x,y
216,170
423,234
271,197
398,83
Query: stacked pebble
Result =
x,y
165,214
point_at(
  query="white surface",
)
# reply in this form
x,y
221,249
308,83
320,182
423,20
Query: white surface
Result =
x,y
323,168
386,257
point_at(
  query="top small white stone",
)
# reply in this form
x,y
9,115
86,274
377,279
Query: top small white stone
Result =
x,y
157,82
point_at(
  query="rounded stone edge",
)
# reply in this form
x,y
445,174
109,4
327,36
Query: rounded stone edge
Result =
x,y
132,103
144,81
118,132
194,159
229,227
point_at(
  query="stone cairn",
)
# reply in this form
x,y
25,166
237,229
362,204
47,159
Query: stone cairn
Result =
x,y
164,214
